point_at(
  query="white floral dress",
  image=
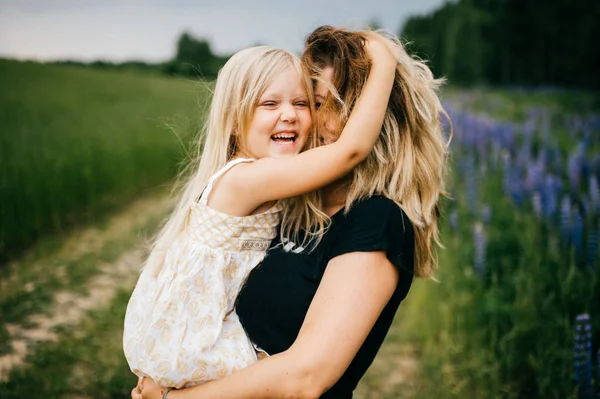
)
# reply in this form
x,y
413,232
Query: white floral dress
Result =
x,y
180,327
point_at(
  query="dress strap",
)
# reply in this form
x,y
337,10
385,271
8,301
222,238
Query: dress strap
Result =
x,y
204,197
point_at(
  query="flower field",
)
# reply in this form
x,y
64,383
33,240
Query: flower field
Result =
x,y
516,312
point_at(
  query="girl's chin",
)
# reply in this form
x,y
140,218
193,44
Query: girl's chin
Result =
x,y
283,149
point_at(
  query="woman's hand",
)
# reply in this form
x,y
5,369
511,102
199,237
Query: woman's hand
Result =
x,y
381,50
147,389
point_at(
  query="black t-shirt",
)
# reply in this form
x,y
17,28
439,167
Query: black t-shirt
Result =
x,y
276,297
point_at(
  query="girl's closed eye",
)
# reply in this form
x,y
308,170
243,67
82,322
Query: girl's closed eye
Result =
x,y
301,103
268,103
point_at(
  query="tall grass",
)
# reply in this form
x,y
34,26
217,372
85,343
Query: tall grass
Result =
x,y
76,142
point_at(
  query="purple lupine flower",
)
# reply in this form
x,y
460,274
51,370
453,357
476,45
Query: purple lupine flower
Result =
x,y
542,158
524,155
587,370
471,182
594,195
582,355
536,200
517,193
578,167
585,166
480,139
471,192
565,216
584,205
535,176
577,233
506,172
556,159
595,165
512,182
453,220
528,126
577,353
510,136
598,372
446,123
503,134
486,214
594,122
581,148
480,244
575,124
550,191
573,171
592,250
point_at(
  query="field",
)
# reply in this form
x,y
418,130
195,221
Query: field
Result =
x,y
77,143
87,158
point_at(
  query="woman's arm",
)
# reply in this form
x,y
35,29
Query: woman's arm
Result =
x,y
275,178
354,290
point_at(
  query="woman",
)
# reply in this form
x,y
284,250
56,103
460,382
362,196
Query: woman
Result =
x,y
322,315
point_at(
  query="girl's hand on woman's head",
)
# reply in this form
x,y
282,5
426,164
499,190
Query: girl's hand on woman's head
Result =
x,y
147,389
381,50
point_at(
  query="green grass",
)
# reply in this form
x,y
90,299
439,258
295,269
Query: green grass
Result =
x,y
76,143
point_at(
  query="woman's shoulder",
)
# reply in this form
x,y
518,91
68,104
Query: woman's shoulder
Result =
x,y
380,209
376,224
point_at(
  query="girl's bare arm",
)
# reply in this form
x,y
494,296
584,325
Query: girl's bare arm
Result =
x,y
271,179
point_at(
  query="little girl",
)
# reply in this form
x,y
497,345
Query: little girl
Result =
x,y
181,328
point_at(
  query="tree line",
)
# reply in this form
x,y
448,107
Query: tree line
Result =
x,y
471,42
511,42
194,57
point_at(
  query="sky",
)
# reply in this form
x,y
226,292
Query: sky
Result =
x,y
119,30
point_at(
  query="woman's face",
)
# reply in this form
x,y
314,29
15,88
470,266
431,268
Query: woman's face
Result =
x,y
281,119
328,121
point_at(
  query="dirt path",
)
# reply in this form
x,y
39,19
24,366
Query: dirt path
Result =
x,y
69,306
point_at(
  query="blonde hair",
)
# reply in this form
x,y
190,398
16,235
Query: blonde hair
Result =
x,y
409,161
240,83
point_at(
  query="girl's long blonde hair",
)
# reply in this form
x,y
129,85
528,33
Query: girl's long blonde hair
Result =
x,y
240,84
409,161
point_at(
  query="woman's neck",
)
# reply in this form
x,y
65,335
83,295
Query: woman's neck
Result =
x,y
333,196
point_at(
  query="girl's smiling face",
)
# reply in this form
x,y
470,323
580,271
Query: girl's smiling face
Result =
x,y
281,119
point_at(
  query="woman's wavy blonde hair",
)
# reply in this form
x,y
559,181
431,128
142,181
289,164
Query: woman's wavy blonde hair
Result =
x,y
240,84
409,161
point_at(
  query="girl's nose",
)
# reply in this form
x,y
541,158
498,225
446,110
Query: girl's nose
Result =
x,y
288,113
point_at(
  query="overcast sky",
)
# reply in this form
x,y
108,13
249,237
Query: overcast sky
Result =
x,y
148,29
